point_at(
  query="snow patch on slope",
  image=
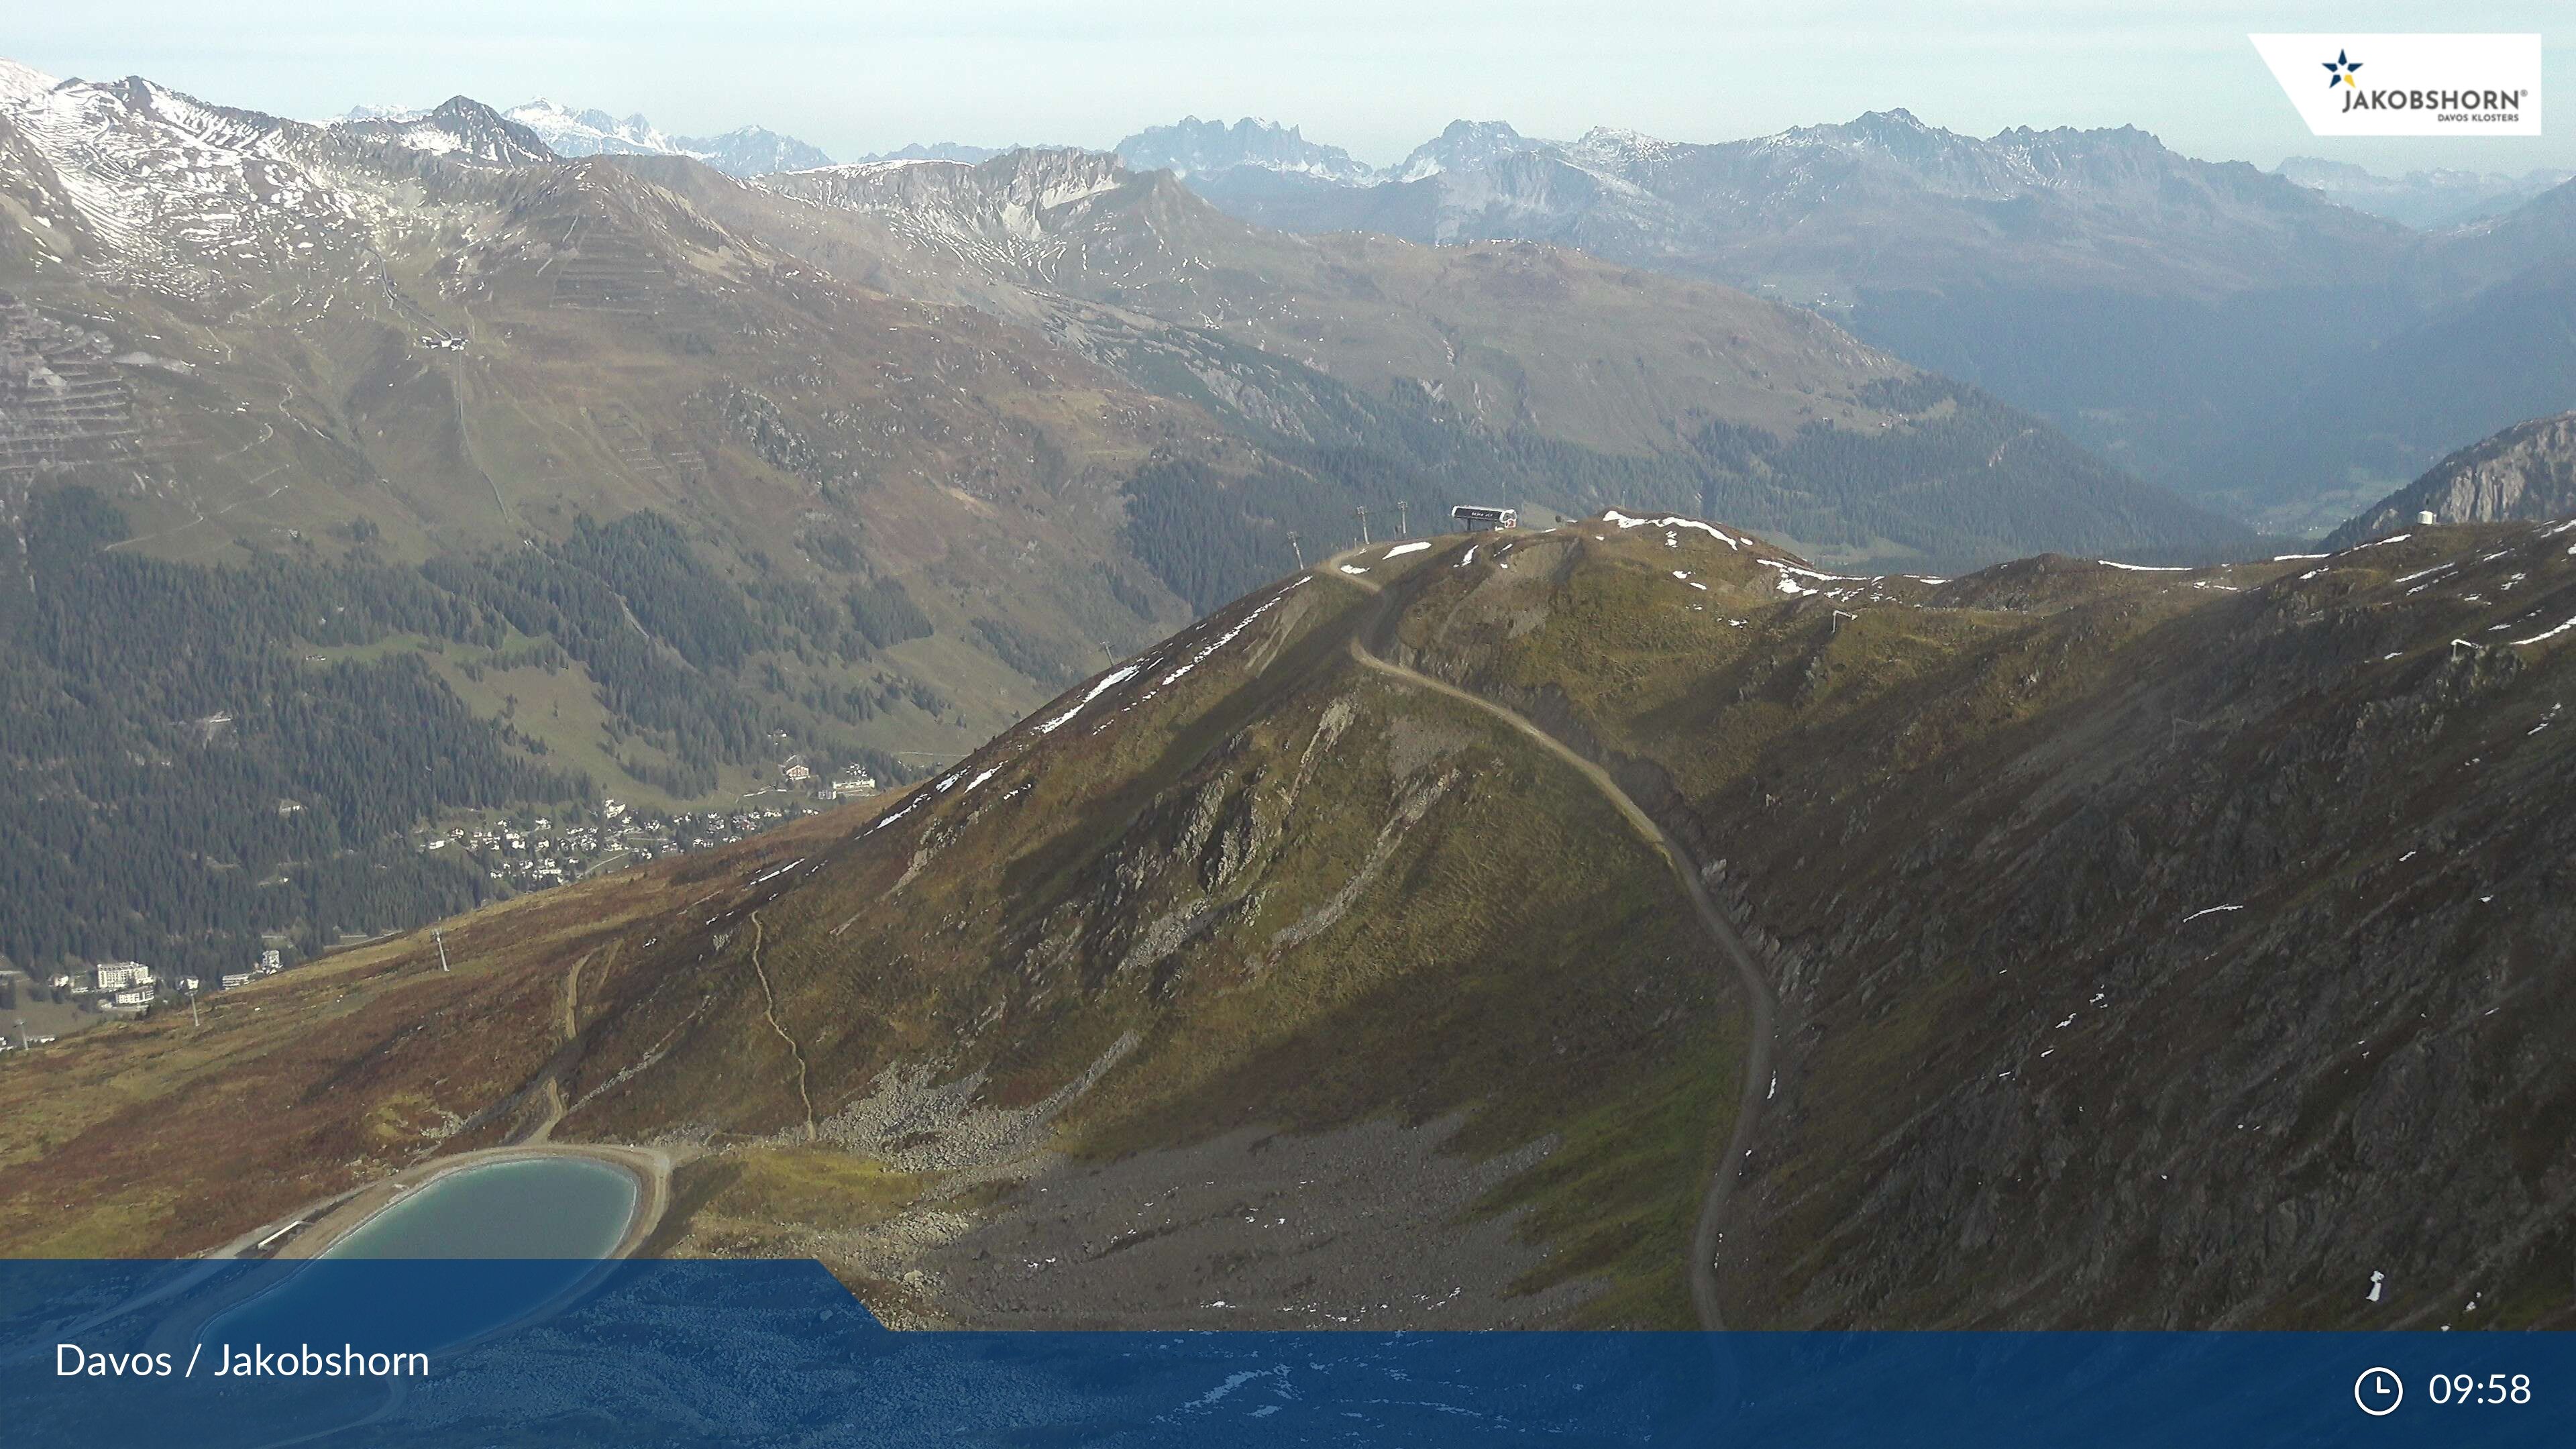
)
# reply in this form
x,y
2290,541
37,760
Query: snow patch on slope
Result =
x,y
176,191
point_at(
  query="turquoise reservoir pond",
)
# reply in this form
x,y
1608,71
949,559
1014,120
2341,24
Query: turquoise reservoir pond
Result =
x,y
529,1207
396,1283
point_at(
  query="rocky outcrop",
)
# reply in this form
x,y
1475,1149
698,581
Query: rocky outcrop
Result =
x,y
2528,471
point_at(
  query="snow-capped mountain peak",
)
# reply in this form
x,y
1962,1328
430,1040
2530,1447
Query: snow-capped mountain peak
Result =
x,y
591,132
1613,151
744,151
19,82
1898,132
158,190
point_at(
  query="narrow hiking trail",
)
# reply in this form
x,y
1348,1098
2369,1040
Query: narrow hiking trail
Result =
x,y
769,1008
569,1028
1764,1003
572,997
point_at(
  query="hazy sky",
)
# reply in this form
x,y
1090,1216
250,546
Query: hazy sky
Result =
x,y
1377,76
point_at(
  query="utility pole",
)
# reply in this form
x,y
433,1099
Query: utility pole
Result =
x,y
1363,513
1403,525
1299,552
441,938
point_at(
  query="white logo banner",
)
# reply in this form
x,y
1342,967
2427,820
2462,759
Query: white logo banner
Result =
x,y
2409,85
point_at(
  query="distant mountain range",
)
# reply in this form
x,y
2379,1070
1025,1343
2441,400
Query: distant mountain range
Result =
x,y
744,151
2425,200
2159,308
939,151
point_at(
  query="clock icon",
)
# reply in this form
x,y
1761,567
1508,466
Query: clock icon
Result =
x,y
2378,1391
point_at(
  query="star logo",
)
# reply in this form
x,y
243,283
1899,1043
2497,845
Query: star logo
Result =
x,y
2339,71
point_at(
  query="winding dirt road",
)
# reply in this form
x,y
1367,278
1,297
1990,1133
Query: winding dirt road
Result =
x,y
1764,1004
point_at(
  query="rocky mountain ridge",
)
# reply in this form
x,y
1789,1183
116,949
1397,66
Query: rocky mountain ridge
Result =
x,y
1210,148
461,128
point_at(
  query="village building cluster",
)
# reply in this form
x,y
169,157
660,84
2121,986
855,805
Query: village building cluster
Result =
x,y
536,852
105,990
129,986
523,853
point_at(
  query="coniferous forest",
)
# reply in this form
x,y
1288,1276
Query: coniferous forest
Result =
x,y
193,776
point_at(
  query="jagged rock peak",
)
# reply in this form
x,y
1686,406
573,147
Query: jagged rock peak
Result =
x,y
1197,148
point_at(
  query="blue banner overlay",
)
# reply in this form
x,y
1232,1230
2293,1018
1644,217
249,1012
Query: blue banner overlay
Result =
x,y
218,1355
